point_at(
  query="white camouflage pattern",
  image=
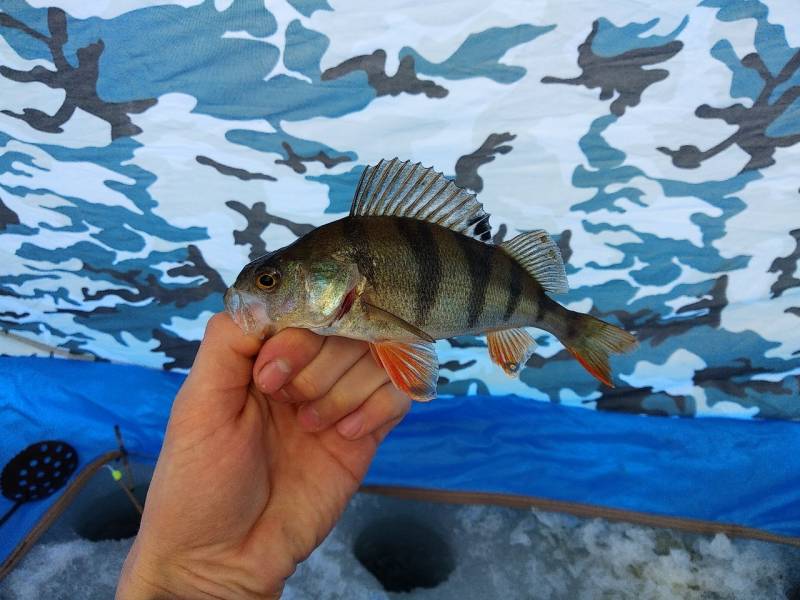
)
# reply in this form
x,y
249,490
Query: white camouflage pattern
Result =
x,y
149,149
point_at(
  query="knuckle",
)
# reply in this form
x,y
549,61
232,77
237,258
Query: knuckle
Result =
x,y
217,322
295,346
399,400
393,403
303,344
306,385
339,404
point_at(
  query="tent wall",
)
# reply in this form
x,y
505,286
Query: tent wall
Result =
x,y
148,150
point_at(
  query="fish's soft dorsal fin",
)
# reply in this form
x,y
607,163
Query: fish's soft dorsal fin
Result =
x,y
510,348
401,189
539,255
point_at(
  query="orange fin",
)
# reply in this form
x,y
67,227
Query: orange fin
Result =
x,y
510,348
413,368
593,341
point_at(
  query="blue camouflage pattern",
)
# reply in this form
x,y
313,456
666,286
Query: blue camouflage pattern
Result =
x,y
150,148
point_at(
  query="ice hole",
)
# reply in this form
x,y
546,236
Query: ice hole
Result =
x,y
403,553
110,517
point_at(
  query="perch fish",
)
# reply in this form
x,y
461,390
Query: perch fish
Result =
x,y
412,263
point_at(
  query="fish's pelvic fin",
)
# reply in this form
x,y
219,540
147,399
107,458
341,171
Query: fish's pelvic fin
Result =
x,y
401,189
593,340
539,255
413,368
510,349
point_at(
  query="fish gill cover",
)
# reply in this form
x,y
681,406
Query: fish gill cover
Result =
x,y
657,144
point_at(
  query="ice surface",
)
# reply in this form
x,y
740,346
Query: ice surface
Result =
x,y
75,569
499,553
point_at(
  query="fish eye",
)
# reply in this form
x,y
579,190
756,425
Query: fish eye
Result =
x,y
268,281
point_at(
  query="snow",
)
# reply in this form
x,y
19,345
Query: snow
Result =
x,y
498,553
72,569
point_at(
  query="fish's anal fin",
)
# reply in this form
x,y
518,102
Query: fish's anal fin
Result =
x,y
401,189
510,349
538,254
412,367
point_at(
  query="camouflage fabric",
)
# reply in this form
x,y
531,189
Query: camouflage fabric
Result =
x,y
150,148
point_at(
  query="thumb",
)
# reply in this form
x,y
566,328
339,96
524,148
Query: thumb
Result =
x,y
217,385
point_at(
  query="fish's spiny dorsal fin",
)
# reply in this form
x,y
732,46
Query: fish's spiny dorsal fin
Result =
x,y
539,255
401,189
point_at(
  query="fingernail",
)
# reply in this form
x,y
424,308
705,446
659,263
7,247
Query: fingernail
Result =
x,y
309,418
273,375
351,425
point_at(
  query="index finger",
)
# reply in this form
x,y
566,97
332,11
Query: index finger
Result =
x,y
220,375
283,356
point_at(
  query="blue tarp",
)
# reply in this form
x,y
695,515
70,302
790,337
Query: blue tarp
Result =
x,y
725,471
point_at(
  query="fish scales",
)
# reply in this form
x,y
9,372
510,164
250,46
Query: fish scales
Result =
x,y
443,282
515,278
423,245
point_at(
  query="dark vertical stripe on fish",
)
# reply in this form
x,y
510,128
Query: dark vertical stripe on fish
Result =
x,y
479,263
514,290
419,237
356,236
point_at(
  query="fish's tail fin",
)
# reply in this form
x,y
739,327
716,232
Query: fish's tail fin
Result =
x,y
591,340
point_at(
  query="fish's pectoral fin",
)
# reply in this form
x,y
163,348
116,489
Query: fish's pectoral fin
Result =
x,y
412,367
510,349
391,325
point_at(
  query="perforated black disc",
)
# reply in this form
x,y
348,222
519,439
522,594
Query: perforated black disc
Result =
x,y
38,471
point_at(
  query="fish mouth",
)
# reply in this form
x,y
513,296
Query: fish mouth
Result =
x,y
248,311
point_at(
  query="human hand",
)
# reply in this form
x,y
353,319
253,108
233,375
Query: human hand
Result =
x,y
253,475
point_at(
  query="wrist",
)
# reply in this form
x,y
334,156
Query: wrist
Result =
x,y
145,577
141,581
